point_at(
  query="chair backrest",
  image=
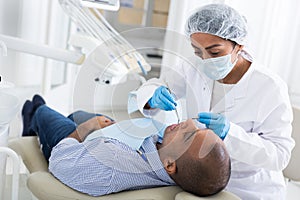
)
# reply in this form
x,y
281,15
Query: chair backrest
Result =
x,y
292,170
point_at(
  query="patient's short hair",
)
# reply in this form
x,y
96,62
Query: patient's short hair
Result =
x,y
205,176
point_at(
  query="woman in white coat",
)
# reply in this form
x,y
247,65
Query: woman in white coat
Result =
x,y
230,93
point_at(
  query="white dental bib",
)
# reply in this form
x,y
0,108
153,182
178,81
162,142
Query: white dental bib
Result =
x,y
132,132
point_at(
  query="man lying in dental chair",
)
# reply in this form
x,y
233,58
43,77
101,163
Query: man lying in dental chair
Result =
x,y
95,155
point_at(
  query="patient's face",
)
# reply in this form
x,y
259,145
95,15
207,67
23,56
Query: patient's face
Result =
x,y
179,131
179,137
186,139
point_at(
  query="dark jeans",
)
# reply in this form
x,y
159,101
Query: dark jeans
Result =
x,y
51,126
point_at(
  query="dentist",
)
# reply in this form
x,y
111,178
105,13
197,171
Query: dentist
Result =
x,y
244,103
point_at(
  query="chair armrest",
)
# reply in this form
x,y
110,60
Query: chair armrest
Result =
x,y
292,170
223,195
28,149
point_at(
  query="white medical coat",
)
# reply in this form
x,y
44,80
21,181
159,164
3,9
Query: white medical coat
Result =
x,y
258,108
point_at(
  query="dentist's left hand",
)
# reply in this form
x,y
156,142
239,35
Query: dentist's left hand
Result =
x,y
216,122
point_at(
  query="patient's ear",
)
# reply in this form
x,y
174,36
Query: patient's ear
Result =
x,y
170,165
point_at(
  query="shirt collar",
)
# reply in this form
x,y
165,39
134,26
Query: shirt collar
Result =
x,y
154,161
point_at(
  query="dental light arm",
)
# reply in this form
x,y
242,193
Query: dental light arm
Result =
x,y
114,56
25,46
3,48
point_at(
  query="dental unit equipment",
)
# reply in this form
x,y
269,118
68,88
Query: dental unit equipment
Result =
x,y
22,45
3,48
114,56
110,44
113,5
9,105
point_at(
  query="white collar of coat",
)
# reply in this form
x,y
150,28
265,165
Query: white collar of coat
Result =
x,y
239,91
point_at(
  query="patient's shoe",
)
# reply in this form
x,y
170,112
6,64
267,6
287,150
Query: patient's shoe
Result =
x,y
27,114
37,101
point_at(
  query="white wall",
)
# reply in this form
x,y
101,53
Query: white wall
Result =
x,y
274,31
41,22
8,25
26,21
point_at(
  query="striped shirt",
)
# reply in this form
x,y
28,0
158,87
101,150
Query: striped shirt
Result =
x,y
104,165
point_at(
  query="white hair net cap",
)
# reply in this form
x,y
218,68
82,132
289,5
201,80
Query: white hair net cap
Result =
x,y
220,20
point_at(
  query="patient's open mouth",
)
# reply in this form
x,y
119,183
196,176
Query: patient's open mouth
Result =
x,y
173,126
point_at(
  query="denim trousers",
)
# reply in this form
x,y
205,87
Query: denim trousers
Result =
x,y
51,127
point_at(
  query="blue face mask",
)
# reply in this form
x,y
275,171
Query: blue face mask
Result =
x,y
216,68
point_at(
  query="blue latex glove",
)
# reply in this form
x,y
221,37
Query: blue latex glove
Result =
x,y
216,122
162,99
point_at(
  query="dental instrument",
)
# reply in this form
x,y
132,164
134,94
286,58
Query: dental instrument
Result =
x,y
176,111
178,119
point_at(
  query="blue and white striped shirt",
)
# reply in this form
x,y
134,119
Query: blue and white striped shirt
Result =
x,y
104,165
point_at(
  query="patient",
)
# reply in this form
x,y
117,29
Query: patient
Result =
x,y
194,159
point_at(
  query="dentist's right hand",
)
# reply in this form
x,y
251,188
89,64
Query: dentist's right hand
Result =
x,y
162,99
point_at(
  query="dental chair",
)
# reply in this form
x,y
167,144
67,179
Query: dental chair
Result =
x,y
44,186
292,170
